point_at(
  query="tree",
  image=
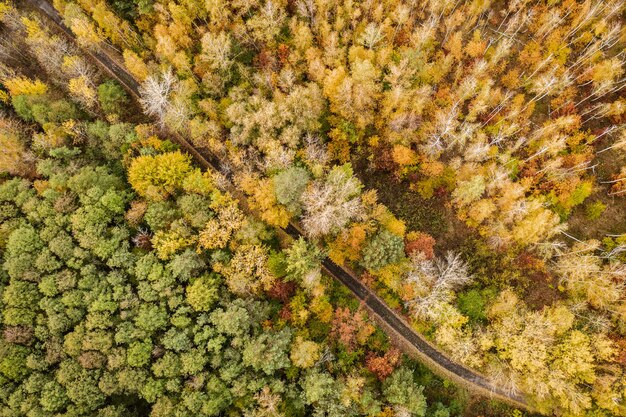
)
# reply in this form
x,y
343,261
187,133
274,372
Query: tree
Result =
x,y
82,89
304,353
329,204
155,94
383,249
138,353
203,292
584,276
13,361
151,317
117,30
82,26
383,366
136,66
303,263
25,86
319,387
289,186
193,208
53,397
247,271
263,200
539,224
420,242
218,231
433,281
22,249
619,182
268,352
604,73
217,51
353,96
220,397
472,303
233,319
159,215
400,389
112,97
16,159
268,403
351,329
168,243
43,109
470,190
156,177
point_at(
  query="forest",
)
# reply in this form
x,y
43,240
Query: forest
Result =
x,y
181,180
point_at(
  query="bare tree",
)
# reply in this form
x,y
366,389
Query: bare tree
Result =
x,y
330,203
155,94
504,377
217,50
436,279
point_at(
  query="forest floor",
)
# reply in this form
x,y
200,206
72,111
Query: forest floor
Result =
x,y
434,216
613,220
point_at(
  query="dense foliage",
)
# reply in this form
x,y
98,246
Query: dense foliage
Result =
x,y
465,158
132,285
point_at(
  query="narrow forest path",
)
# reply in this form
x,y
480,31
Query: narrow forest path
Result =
x,y
411,342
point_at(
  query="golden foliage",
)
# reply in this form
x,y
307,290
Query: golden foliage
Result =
x,y
263,199
247,272
218,231
167,243
135,65
403,155
15,158
24,85
156,177
83,89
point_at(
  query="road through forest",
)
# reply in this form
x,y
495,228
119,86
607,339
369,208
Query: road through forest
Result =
x,y
411,342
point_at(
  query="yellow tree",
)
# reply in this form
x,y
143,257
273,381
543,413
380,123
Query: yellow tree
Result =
x,y
15,157
25,86
586,276
82,26
156,177
118,31
354,95
247,272
263,199
135,65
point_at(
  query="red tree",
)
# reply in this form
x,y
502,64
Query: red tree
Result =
x,y
383,366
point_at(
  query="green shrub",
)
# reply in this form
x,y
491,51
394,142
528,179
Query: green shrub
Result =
x,y
594,210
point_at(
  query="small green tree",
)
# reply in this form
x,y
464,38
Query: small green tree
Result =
x,y
138,353
303,262
400,389
473,304
383,249
594,210
160,214
112,97
53,397
268,352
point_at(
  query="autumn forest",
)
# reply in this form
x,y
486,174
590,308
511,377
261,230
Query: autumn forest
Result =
x,y
294,208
